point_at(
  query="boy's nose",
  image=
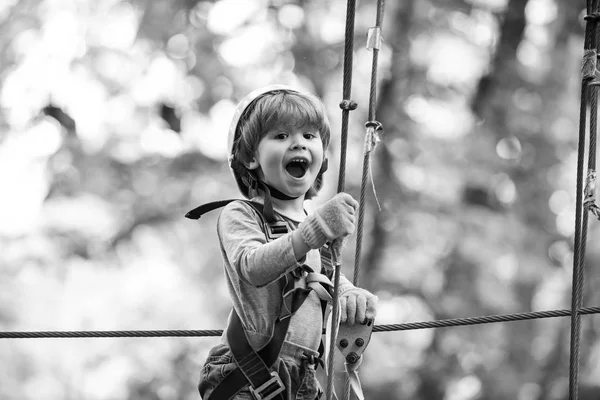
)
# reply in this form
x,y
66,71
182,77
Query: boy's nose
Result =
x,y
298,146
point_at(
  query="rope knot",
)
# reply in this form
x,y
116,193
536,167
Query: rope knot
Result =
x,y
348,105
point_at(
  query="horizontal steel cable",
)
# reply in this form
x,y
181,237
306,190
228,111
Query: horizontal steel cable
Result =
x,y
443,323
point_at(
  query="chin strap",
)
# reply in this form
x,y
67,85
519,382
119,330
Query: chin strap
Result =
x,y
254,184
278,194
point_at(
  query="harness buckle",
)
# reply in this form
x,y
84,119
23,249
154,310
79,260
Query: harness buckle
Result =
x,y
276,229
269,389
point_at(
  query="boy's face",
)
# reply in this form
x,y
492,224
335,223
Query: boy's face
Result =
x,y
289,159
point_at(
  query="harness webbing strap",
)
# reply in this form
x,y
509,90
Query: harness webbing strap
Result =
x,y
253,366
318,282
197,212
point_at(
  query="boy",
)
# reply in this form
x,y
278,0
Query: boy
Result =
x,y
277,142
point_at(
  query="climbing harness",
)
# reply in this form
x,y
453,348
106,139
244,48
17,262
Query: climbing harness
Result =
x,y
254,366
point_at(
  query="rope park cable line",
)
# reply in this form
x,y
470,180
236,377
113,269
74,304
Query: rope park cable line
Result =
x,y
585,204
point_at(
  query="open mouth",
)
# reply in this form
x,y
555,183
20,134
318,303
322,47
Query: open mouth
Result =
x,y
297,167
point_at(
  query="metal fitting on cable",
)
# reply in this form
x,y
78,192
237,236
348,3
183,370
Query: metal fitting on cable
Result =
x,y
593,17
588,65
374,38
590,187
589,200
378,126
348,105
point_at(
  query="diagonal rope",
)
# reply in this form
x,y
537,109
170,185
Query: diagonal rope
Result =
x,y
371,136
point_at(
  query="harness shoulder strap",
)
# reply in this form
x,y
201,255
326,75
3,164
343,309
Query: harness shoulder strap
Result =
x,y
253,366
273,229
199,211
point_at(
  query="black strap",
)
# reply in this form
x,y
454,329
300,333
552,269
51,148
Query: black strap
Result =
x,y
254,367
197,212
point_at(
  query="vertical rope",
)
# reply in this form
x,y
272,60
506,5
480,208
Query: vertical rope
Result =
x,y
347,391
366,159
347,105
588,73
367,154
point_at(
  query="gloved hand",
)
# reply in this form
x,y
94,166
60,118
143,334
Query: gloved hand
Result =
x,y
357,306
332,220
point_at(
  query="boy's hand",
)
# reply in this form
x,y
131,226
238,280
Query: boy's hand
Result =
x,y
332,220
357,306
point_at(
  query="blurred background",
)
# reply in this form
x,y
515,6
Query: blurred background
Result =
x,y
113,125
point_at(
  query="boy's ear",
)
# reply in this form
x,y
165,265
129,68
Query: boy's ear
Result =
x,y
324,166
253,164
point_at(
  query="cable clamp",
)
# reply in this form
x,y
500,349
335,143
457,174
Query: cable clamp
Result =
x,y
589,201
375,124
593,17
374,38
588,66
347,104
595,80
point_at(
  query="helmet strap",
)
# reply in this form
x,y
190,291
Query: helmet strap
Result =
x,y
254,184
278,194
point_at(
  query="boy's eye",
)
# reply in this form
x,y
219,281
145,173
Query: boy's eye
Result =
x,y
281,135
310,135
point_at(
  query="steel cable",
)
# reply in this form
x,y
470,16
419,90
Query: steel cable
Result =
x,y
581,214
443,323
346,105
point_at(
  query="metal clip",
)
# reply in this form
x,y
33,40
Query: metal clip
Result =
x,y
276,229
374,38
269,389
